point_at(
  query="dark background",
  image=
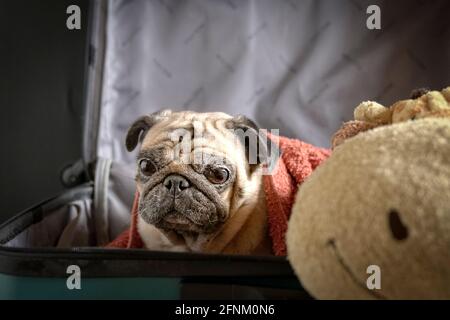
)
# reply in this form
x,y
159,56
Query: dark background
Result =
x,y
41,99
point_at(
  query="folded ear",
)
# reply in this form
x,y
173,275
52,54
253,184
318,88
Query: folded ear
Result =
x,y
257,145
136,133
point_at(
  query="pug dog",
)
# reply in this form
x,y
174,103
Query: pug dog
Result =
x,y
200,183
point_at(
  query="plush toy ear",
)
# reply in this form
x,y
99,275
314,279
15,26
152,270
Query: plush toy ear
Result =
x,y
350,129
257,145
138,130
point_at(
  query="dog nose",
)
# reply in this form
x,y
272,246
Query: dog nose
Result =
x,y
175,184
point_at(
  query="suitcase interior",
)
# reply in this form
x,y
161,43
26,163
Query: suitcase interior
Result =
x,y
38,245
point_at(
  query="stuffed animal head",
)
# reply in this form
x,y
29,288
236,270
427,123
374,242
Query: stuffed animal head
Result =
x,y
369,114
373,221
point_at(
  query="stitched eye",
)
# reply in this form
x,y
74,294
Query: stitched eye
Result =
x,y
217,175
147,167
398,228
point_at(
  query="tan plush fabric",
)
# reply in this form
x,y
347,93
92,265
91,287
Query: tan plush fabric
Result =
x,y
370,114
433,101
343,219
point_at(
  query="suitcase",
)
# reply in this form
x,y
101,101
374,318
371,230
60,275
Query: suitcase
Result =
x,y
301,80
54,249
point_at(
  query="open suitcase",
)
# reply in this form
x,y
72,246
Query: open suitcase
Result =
x,y
304,78
38,246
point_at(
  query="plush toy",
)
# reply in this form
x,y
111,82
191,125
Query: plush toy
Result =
x,y
370,114
373,221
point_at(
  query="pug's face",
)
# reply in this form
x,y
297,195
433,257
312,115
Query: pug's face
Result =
x,y
191,169
183,197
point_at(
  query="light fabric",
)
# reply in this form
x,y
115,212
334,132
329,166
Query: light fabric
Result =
x,y
72,220
300,66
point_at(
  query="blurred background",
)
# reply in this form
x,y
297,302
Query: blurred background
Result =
x,y
298,66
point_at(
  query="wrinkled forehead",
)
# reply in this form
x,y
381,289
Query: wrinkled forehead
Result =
x,y
194,133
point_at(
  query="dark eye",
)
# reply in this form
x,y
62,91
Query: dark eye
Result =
x,y
147,167
398,228
217,175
